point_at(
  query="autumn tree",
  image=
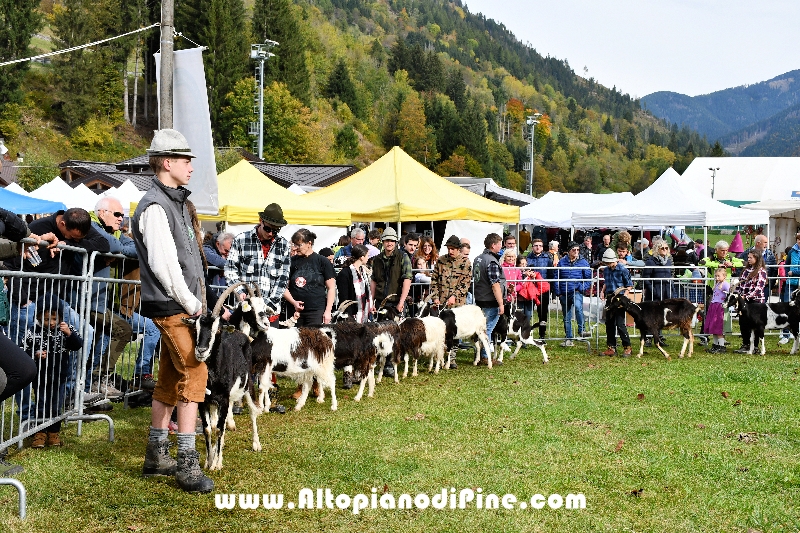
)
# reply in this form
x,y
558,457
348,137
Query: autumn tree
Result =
x,y
413,136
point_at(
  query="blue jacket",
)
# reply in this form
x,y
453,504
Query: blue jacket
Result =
x,y
124,245
542,263
215,277
793,267
568,287
616,278
658,279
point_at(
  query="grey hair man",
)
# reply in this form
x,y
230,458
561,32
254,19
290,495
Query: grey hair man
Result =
x,y
357,236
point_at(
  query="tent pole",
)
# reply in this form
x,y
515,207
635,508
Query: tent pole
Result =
x,y
705,241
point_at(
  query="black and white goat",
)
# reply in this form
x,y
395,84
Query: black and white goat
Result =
x,y
418,337
354,348
229,360
755,318
250,315
516,328
301,354
466,322
650,317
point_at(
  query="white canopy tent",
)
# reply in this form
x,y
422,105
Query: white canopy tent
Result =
x,y
743,179
554,209
14,187
57,190
784,221
87,197
665,203
127,194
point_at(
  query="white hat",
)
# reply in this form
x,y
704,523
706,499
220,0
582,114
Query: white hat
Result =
x,y
609,256
170,142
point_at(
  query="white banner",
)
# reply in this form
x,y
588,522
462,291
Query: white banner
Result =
x,y
191,117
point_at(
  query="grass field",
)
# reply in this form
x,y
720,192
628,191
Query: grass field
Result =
x,y
703,444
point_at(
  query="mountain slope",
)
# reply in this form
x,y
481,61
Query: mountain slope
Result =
x,y
778,135
730,110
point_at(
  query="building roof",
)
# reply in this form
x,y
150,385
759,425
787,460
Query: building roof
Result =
x,y
8,173
487,188
305,175
106,180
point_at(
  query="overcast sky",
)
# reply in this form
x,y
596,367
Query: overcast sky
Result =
x,y
643,46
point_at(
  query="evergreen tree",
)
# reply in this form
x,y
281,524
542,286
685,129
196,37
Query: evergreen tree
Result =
x,y
456,89
341,86
219,25
346,142
276,20
563,141
400,57
717,150
474,131
442,116
432,74
608,128
19,21
549,149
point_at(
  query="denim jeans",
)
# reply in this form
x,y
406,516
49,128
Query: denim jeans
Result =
x,y
573,300
492,315
148,346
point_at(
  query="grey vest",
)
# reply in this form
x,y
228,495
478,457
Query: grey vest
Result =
x,y
155,301
480,276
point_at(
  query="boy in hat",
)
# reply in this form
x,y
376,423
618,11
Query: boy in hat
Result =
x,y
172,288
616,277
450,280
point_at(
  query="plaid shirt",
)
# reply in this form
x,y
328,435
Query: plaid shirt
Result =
x,y
753,289
246,263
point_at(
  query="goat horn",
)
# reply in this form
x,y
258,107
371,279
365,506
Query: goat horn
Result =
x,y
204,305
345,304
386,300
255,289
224,296
621,289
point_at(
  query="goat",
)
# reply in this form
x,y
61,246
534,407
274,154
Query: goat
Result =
x,y
354,348
755,317
301,354
649,317
251,313
516,328
466,322
229,360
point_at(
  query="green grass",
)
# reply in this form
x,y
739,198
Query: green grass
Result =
x,y
681,457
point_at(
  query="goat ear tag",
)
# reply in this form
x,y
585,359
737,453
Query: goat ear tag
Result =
x,y
246,307
228,328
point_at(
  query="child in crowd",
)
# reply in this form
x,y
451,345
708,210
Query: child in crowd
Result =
x,y
49,343
715,316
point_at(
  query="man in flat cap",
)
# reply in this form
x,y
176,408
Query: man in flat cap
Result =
x,y
172,290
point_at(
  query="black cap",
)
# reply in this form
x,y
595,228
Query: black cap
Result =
x,y
572,244
453,242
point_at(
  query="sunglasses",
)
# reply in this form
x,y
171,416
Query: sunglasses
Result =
x,y
116,213
269,229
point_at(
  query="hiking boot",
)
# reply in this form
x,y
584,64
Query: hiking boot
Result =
x,y
388,371
39,440
105,386
54,439
145,382
7,469
648,342
497,362
158,461
237,408
274,406
188,474
717,348
567,344
98,407
90,398
783,340
453,364
611,351
744,349
347,380
627,351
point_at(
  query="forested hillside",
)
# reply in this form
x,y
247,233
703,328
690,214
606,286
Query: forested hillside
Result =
x,y
349,80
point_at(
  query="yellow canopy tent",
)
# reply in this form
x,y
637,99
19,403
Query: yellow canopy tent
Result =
x,y
244,192
396,188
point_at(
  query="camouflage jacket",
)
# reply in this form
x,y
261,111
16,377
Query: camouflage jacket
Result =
x,y
451,277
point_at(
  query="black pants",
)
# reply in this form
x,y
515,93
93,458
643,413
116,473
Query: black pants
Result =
x,y
18,366
541,311
615,322
310,318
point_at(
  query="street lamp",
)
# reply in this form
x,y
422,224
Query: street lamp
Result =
x,y
713,179
532,121
260,52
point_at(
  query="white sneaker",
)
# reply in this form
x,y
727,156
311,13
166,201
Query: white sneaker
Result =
x,y
783,340
567,344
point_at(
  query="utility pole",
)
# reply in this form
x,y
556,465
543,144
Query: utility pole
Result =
x,y
260,53
713,179
532,121
167,47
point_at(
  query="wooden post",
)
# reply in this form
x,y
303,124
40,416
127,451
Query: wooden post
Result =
x,y
165,81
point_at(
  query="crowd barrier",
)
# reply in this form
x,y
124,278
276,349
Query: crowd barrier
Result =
x,y
121,347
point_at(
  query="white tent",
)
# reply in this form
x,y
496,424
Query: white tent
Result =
x,y
87,197
665,203
784,219
554,209
13,187
57,190
743,179
127,194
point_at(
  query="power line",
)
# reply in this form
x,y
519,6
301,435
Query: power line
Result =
x,y
57,52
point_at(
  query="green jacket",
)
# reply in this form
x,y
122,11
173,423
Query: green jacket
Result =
x,y
713,262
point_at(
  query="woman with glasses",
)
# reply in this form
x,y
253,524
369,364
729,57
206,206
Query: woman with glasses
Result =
x,y
658,278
